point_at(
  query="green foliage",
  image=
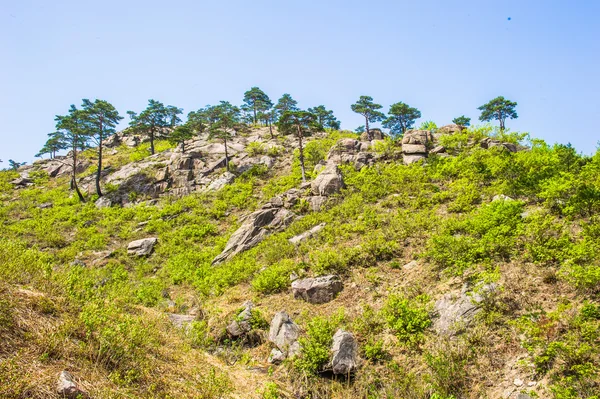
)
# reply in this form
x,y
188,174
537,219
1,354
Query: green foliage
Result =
x,y
274,278
369,110
256,148
401,118
373,351
317,343
407,318
462,121
447,365
156,121
428,125
499,109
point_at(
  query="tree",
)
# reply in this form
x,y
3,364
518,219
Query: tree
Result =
x,y
73,135
499,109
462,121
368,109
401,117
325,117
257,101
269,117
180,134
360,129
101,118
14,165
224,118
285,103
155,121
54,144
299,123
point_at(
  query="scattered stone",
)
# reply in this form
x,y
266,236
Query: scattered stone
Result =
x,y
241,325
344,353
449,129
523,396
283,332
142,247
307,234
414,149
329,181
276,356
316,202
501,197
411,265
45,205
67,388
317,290
438,150
181,320
518,382
103,202
454,315
376,134
531,383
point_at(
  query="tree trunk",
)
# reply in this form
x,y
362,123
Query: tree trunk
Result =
x,y
226,155
73,175
255,120
367,128
183,147
271,129
99,171
301,153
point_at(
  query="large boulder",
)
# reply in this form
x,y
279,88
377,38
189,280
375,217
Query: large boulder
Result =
x,y
350,151
344,352
142,247
456,312
329,181
317,290
449,129
415,144
284,333
66,387
376,134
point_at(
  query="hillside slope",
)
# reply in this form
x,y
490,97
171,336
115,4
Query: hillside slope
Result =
x,y
472,272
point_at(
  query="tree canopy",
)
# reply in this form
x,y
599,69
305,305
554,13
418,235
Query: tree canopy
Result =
x,y
286,103
325,117
401,117
299,123
258,101
498,109
157,120
462,121
369,110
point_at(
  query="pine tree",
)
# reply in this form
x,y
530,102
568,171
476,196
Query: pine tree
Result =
x,y
299,123
369,110
401,117
157,120
224,118
499,109
257,101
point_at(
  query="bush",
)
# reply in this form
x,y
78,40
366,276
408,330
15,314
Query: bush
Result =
x,y
256,148
316,345
448,374
408,319
274,278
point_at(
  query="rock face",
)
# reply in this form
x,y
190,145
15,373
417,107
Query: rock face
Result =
x,y
317,290
142,247
449,129
307,234
344,353
490,143
181,320
329,181
241,325
415,144
225,179
456,313
377,134
67,388
284,334
255,228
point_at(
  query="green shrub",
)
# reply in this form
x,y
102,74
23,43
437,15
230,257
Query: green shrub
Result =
x,y
256,148
447,370
274,278
316,345
373,350
408,319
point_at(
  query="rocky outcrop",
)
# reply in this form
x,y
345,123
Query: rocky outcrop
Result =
x,y
329,181
181,320
242,328
455,313
284,333
255,228
376,134
488,143
142,247
66,387
317,290
307,234
415,145
352,152
225,179
344,353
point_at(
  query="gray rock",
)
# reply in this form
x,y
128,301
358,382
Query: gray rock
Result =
x,y
103,202
276,356
523,396
438,150
456,313
67,388
45,205
414,149
222,181
142,247
344,353
449,129
254,229
316,202
423,137
501,197
241,325
411,265
376,134
283,332
307,234
181,320
317,290
329,181
410,159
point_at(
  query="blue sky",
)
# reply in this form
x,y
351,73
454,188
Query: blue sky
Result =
x,y
444,57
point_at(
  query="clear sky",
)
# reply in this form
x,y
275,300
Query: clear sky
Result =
x,y
444,57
